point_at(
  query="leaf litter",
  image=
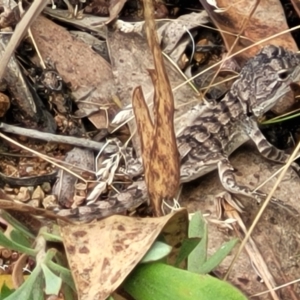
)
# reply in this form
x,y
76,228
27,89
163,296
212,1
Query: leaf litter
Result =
x,y
91,85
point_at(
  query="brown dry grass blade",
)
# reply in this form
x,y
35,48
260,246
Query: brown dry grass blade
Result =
x,y
159,148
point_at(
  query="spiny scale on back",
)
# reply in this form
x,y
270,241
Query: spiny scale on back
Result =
x,y
217,131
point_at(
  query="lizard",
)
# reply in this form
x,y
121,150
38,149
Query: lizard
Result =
x,y
215,131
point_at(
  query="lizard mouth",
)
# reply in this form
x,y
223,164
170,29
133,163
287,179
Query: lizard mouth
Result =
x,y
259,109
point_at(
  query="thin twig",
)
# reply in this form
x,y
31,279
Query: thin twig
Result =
x,y
49,137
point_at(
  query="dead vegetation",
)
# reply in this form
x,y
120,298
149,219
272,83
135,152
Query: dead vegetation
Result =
x,y
92,98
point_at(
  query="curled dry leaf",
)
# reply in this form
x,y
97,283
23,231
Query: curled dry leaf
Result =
x,y
17,274
170,32
108,250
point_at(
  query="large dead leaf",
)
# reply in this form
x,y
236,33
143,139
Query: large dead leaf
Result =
x,y
267,19
102,254
159,147
89,74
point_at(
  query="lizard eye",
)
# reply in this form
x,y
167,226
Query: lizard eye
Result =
x,y
283,74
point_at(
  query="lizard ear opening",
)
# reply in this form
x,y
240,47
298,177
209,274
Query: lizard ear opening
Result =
x,y
284,74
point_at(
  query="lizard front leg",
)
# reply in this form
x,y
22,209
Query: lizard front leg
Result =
x,y
226,174
264,147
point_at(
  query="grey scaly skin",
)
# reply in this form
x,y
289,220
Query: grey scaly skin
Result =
x,y
215,132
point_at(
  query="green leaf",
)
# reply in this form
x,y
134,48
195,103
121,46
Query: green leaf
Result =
x,y
198,229
68,293
37,292
53,236
217,257
186,248
49,255
16,224
20,239
24,292
53,282
160,281
5,291
157,251
64,273
5,242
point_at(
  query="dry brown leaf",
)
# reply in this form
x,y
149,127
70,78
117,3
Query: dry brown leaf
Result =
x,y
144,125
89,74
268,19
102,254
159,148
17,274
115,6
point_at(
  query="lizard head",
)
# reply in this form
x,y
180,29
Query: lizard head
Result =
x,y
266,78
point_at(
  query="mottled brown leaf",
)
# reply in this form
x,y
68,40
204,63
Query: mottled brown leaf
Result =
x,y
159,148
102,254
145,126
